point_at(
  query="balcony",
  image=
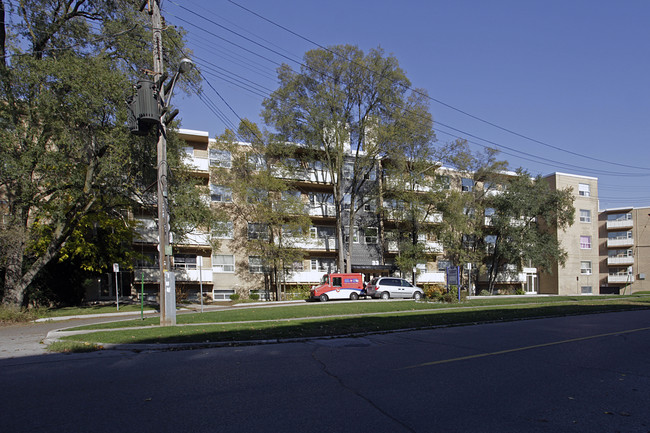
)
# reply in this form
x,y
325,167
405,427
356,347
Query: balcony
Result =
x,y
622,224
320,244
620,279
620,261
196,163
624,242
182,275
322,210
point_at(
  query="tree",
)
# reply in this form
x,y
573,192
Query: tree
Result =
x,y
262,201
463,230
411,188
525,216
65,71
342,106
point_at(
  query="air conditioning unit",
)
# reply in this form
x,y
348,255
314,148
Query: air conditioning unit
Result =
x,y
641,276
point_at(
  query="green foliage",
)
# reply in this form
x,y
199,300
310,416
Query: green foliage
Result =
x,y
69,162
347,109
13,314
235,297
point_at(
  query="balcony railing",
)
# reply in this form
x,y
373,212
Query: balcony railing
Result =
x,y
625,242
197,164
620,260
622,224
620,279
182,274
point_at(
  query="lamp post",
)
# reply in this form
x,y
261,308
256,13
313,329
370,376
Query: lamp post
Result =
x,y
167,276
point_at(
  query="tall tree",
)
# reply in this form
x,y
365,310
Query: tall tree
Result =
x,y
342,106
262,201
411,188
65,71
462,231
522,225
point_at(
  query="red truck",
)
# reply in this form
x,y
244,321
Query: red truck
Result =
x,y
338,286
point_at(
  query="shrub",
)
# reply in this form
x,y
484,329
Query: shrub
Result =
x,y
484,293
434,291
234,297
252,296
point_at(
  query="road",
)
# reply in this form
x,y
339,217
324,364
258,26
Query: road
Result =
x,y
570,374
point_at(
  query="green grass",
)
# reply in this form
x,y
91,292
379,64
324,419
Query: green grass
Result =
x,y
73,347
90,309
331,319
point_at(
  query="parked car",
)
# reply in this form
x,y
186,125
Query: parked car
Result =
x,y
391,287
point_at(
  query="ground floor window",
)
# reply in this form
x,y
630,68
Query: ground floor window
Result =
x,y
586,290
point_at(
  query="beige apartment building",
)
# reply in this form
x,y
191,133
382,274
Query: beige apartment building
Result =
x,y
606,252
580,274
624,250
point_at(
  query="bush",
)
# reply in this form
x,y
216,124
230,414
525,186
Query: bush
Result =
x,y
252,296
10,314
234,297
484,293
434,291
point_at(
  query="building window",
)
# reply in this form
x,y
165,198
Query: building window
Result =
x,y
185,261
585,242
220,158
586,290
619,235
258,231
584,189
585,216
322,264
355,234
619,216
255,265
371,235
467,184
223,230
219,193
223,263
585,268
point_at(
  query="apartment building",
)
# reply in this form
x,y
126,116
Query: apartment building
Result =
x,y
624,250
592,263
580,274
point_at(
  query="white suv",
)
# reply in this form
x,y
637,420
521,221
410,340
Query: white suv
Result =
x,y
391,287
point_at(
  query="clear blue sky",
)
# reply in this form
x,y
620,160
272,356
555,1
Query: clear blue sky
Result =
x,y
569,78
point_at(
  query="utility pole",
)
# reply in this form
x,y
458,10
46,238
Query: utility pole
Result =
x,y
167,280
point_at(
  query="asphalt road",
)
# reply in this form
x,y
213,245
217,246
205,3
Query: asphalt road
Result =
x,y
571,374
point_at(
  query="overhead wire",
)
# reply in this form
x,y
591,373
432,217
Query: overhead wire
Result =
x,y
447,105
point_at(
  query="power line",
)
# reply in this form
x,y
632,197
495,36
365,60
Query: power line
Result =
x,y
487,122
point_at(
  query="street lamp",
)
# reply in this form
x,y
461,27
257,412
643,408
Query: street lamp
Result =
x,y
167,277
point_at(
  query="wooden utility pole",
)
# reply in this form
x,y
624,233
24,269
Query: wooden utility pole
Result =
x,y
167,277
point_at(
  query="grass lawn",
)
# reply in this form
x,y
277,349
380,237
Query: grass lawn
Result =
x,y
91,309
337,318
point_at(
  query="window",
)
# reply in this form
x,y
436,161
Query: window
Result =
x,y
257,195
255,265
320,198
584,189
223,230
258,162
619,216
220,193
355,234
586,290
585,216
467,184
220,158
371,235
322,264
186,261
585,242
585,268
347,201
258,231
444,181
619,235
223,263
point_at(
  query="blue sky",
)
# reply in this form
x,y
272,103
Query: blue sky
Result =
x,y
557,86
